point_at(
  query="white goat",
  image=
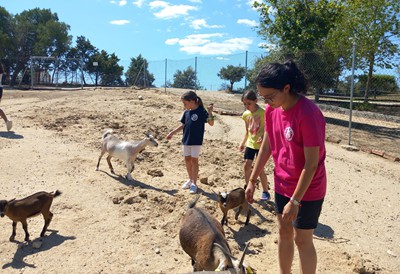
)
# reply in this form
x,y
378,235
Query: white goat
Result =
x,y
123,150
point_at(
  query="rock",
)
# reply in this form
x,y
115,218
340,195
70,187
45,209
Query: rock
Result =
x,y
155,173
132,200
37,244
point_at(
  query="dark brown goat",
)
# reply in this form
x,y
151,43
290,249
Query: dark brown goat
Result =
x,y
203,239
233,199
21,210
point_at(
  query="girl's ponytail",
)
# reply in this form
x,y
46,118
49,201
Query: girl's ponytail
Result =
x,y
192,96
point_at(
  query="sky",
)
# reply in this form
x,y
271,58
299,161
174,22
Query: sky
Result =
x,y
158,30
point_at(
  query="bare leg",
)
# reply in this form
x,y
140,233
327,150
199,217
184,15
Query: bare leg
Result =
x,y
264,181
3,115
247,167
195,169
285,245
188,163
307,253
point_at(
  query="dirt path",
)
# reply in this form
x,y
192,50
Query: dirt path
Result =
x,y
55,145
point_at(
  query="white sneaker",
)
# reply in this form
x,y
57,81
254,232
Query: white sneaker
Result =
x,y
9,125
187,184
193,189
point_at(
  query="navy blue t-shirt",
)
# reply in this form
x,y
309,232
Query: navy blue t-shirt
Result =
x,y
193,129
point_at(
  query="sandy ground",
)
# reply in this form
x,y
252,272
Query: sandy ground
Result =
x,y
105,224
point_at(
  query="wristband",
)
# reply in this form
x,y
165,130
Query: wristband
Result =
x,y
295,202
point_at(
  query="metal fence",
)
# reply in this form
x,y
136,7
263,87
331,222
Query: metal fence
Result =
x,y
374,127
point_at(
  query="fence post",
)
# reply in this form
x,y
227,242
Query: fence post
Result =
x,y
165,76
245,72
31,73
352,89
195,74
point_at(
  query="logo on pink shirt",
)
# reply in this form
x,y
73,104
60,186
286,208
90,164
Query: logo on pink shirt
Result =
x,y
289,133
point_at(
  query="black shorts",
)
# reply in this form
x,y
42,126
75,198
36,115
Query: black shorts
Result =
x,y
250,153
308,215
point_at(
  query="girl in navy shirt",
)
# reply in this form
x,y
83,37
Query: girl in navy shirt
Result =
x,y
193,124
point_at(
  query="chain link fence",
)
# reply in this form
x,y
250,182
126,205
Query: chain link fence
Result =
x,y
373,126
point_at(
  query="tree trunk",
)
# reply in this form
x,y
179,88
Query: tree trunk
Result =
x,y
370,69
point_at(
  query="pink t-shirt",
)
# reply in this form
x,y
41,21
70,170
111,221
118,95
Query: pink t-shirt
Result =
x,y
289,132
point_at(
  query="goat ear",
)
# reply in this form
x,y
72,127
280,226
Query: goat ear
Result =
x,y
244,254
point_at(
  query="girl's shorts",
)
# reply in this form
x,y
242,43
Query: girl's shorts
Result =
x,y
308,215
250,153
192,151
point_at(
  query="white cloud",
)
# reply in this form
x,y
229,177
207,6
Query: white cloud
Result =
x,y
119,22
203,44
247,22
196,1
201,23
139,3
120,2
169,11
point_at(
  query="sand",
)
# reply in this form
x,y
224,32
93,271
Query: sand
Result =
x,y
104,223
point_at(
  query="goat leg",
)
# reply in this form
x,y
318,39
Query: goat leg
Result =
x,y
47,221
109,164
248,216
14,228
238,212
224,220
130,166
25,227
98,162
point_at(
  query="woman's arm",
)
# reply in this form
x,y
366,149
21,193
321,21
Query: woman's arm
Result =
x,y
311,155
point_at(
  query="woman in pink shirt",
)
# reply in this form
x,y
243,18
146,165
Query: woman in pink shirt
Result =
x,y
295,138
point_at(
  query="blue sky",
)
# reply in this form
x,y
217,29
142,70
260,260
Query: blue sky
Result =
x,y
158,30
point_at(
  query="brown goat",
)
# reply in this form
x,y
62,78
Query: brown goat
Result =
x,y
203,239
21,210
233,199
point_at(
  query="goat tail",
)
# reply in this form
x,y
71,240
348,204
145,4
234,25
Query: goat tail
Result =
x,y
193,203
56,193
106,133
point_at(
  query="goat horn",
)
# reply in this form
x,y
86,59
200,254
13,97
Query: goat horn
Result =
x,y
226,252
244,253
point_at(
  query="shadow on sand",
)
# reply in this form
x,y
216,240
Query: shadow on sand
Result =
x,y
25,249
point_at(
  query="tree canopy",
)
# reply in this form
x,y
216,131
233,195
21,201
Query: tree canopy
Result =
x,y
138,73
233,74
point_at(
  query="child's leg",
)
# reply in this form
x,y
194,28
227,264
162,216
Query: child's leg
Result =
x,y
195,170
3,115
188,163
264,181
247,166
